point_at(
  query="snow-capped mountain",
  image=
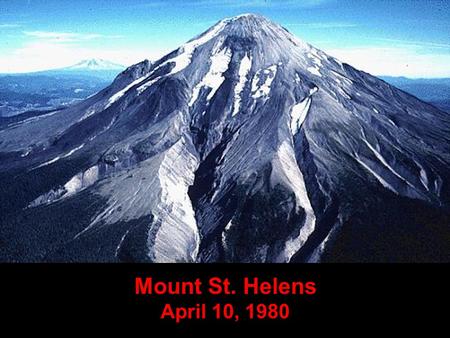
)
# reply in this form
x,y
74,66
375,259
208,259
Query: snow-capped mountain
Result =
x,y
97,68
51,89
95,64
245,144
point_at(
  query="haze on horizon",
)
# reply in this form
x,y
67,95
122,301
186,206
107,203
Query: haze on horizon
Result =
x,y
407,38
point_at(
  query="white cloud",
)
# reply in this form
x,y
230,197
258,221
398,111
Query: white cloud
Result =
x,y
64,37
395,61
47,54
242,3
417,44
265,3
47,50
9,25
322,25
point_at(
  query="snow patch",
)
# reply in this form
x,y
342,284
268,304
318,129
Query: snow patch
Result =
x,y
385,162
89,112
181,61
298,114
264,89
184,59
300,110
48,162
245,15
73,151
74,184
314,70
81,181
146,85
317,253
375,174
224,233
32,119
341,78
218,45
57,158
344,94
424,178
244,68
214,78
26,153
287,169
77,183
178,234
315,58
122,92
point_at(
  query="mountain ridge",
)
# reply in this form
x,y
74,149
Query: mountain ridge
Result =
x,y
433,90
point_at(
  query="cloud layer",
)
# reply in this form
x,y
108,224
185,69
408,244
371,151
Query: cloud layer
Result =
x,y
395,61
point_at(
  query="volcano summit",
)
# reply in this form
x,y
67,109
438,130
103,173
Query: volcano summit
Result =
x,y
245,144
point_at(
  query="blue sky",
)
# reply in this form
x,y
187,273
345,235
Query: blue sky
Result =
x,y
401,37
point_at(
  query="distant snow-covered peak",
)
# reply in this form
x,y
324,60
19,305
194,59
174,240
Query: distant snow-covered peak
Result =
x,y
96,64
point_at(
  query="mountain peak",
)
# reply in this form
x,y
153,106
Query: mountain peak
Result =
x,y
261,30
96,64
249,21
249,16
